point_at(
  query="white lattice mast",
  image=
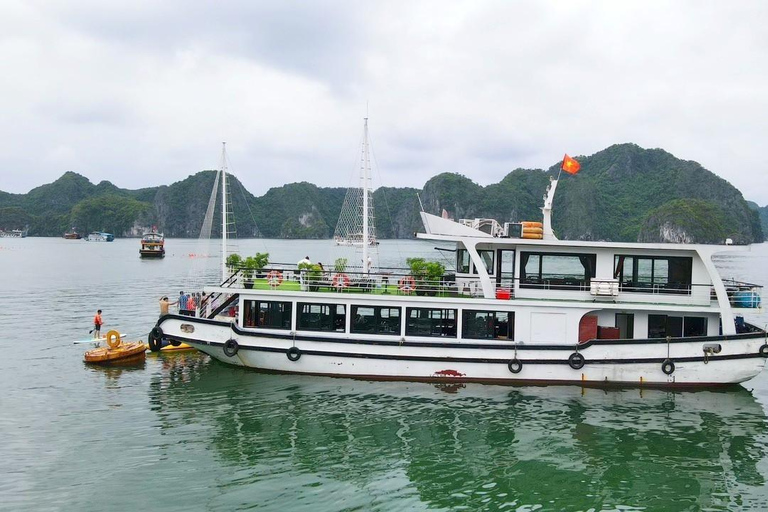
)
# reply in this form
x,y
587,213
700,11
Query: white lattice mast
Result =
x,y
366,173
357,227
227,218
223,211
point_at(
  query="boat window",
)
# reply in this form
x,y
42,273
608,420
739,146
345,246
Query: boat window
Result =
x,y
653,274
556,271
487,258
274,315
375,320
431,322
462,261
695,326
321,317
661,326
487,325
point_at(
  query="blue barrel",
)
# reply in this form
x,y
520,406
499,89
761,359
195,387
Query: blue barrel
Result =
x,y
746,299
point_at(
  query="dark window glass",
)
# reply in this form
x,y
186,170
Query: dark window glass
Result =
x,y
274,315
695,326
321,317
487,258
675,326
375,320
462,261
651,274
661,326
657,326
556,271
487,325
431,322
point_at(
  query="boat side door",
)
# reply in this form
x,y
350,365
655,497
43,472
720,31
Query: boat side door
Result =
x,y
505,268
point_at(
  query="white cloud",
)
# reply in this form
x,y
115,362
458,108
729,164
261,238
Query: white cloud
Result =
x,y
143,93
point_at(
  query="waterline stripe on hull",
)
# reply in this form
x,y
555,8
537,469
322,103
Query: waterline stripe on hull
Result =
x,y
454,381
392,357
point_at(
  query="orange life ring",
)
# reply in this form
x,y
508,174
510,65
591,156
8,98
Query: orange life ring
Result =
x,y
275,278
340,281
113,339
407,284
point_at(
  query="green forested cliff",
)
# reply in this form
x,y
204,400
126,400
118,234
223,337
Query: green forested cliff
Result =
x,y
623,193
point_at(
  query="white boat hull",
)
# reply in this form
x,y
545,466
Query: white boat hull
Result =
x,y
636,363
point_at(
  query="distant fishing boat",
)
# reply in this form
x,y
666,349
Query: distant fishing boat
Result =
x,y
100,236
73,235
152,245
14,233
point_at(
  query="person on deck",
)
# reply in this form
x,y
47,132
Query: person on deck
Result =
x,y
305,261
183,299
164,305
97,323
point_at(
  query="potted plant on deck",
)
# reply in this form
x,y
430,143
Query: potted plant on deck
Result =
x,y
427,274
254,265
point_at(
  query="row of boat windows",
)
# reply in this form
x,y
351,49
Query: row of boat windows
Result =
x,y
573,271
384,320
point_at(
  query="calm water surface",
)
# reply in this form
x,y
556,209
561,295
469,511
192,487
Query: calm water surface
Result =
x,y
183,432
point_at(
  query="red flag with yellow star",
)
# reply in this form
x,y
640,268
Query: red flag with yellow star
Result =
x,y
570,165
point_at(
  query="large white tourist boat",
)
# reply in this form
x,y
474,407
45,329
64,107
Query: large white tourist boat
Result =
x,y
522,307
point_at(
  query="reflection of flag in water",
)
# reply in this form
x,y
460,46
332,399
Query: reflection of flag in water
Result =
x,y
570,165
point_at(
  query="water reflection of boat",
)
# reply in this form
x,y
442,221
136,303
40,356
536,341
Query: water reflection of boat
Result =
x,y
480,447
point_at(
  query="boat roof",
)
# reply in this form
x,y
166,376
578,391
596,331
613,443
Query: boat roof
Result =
x,y
583,244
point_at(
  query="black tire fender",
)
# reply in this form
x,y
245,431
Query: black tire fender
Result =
x,y
576,361
155,339
294,354
764,350
231,347
515,366
668,367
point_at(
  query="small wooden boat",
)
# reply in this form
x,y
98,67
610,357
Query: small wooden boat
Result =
x,y
116,352
152,245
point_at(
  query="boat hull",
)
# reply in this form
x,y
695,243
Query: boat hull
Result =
x,y
605,362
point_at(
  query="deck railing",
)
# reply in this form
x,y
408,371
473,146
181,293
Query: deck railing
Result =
x,y
399,281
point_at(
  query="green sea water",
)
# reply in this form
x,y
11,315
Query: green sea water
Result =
x,y
184,432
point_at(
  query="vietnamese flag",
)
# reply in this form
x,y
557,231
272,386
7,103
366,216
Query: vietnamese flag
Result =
x,y
570,165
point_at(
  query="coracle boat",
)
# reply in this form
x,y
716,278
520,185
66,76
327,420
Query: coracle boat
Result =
x,y
117,352
522,307
152,245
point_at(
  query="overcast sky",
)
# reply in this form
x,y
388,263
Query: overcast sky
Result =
x,y
142,93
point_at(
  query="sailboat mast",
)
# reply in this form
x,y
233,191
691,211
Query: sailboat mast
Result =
x,y
365,173
223,211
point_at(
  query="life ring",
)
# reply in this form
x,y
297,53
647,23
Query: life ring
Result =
x,y
576,361
407,284
155,339
764,350
275,278
515,365
231,347
294,354
668,367
340,281
113,339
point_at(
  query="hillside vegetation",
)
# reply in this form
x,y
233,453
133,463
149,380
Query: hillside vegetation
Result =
x,y
623,193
